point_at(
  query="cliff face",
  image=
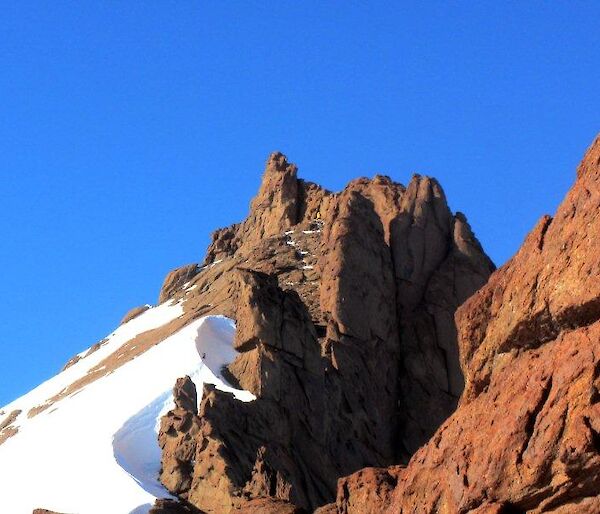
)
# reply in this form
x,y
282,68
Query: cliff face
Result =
x,y
526,435
344,305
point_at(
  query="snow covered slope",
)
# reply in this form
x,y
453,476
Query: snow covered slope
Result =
x,y
96,451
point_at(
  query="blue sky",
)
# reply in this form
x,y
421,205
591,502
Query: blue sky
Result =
x,y
130,130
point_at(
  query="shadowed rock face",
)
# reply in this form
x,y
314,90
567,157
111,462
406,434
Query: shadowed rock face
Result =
x,y
165,506
526,435
344,305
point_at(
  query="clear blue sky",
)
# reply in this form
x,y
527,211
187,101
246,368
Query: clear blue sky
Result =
x,y
130,130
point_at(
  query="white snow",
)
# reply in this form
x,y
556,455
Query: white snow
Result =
x,y
96,451
148,320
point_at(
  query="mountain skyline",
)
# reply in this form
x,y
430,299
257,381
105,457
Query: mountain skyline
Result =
x,y
130,132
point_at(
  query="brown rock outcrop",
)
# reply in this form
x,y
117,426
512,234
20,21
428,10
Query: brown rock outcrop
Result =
x,y
283,201
549,287
367,491
134,313
175,279
338,300
177,438
6,428
526,436
185,395
166,506
438,264
269,506
361,341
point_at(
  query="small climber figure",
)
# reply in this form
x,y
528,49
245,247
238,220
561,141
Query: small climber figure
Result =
x,y
203,356
318,216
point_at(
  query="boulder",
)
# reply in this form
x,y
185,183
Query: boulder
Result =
x,y
134,313
175,280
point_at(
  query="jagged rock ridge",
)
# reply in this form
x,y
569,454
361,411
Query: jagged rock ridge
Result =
x,y
344,305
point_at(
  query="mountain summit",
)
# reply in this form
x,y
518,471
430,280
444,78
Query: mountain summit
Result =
x,y
317,335
344,310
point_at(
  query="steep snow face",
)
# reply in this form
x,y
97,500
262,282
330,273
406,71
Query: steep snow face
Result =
x,y
150,319
96,451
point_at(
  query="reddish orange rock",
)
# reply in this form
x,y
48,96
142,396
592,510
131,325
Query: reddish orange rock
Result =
x,y
526,435
367,491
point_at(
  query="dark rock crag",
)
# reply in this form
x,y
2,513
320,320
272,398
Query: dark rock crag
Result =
x,y
344,305
168,506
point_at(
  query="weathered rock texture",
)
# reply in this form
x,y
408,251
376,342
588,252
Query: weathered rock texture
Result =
x,y
178,430
174,281
367,491
6,428
344,305
526,436
134,313
167,506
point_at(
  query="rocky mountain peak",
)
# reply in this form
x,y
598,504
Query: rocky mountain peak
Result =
x,y
339,298
282,201
277,162
276,204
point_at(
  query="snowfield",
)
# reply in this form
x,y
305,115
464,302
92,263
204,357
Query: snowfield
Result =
x,y
96,452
